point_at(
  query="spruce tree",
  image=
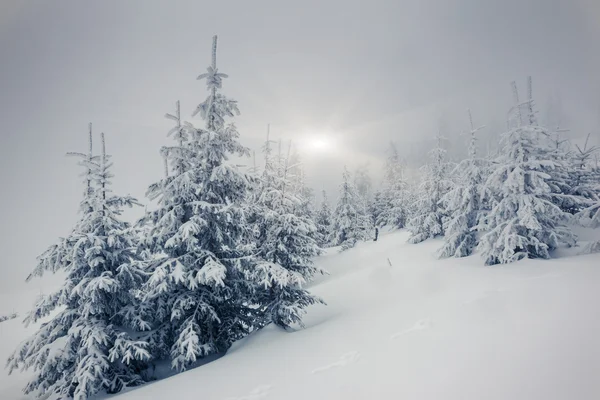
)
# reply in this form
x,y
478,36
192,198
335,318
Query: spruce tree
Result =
x,y
584,178
427,219
567,180
198,288
297,186
523,221
587,184
463,203
286,245
363,183
351,222
590,217
89,344
324,222
364,189
392,202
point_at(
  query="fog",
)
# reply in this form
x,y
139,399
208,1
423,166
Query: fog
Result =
x,y
351,74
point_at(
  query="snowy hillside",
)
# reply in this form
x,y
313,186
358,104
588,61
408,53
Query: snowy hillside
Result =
x,y
420,329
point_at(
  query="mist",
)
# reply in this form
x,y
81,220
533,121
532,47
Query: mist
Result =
x,y
359,74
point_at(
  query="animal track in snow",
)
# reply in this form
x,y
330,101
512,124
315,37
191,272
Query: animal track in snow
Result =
x,y
257,393
344,360
418,326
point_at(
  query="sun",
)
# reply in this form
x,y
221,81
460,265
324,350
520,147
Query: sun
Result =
x,y
318,141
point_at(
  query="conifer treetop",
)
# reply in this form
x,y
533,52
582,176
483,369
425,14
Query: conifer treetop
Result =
x,y
216,106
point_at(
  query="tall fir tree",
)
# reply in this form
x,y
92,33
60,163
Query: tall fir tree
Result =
x,y
587,184
324,222
463,203
392,203
351,222
584,178
296,176
590,217
202,299
427,219
523,221
568,191
364,189
89,344
286,244
363,183
563,190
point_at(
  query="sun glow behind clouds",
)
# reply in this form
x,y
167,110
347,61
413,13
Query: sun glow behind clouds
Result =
x,y
318,141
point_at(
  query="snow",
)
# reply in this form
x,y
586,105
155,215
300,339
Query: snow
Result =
x,y
421,328
12,332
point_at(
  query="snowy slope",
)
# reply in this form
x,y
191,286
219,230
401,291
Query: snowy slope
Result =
x,y
420,329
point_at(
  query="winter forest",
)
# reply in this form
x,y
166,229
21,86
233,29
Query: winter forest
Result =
x,y
238,261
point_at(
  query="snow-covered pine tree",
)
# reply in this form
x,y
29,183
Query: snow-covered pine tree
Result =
x,y
590,217
363,183
201,297
392,203
561,172
351,222
584,179
324,222
89,344
286,245
566,191
523,221
463,203
364,189
296,176
294,170
427,219
377,206
177,156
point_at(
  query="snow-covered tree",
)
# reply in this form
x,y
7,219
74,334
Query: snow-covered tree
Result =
x,y
89,344
198,288
324,221
178,159
566,188
296,177
364,189
363,182
427,220
463,203
567,180
377,206
392,202
523,221
590,216
584,179
351,222
286,246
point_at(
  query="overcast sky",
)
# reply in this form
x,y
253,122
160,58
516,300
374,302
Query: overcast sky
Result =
x,y
360,72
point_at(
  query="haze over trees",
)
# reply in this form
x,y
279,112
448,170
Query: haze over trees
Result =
x,y
225,250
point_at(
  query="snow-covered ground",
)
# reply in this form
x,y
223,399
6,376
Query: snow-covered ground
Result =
x,y
418,329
